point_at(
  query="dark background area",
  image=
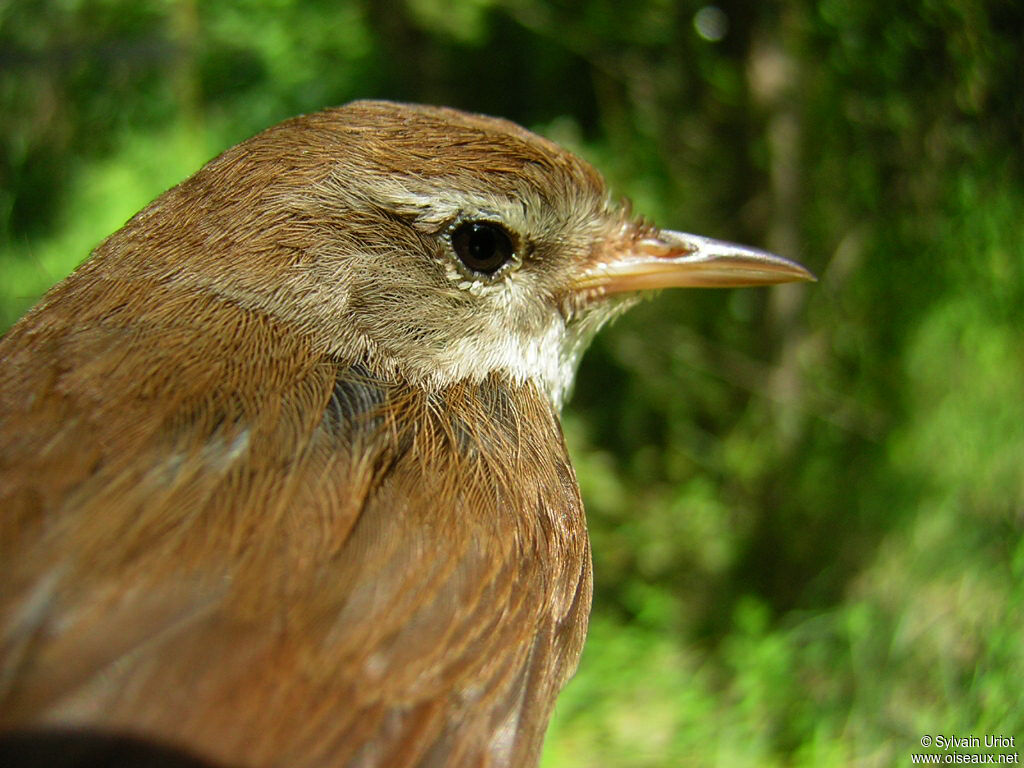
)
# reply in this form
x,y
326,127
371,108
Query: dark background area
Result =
x,y
806,502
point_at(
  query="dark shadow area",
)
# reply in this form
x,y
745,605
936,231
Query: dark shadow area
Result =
x,y
87,749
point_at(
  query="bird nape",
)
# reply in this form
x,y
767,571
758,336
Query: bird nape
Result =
x,y
281,473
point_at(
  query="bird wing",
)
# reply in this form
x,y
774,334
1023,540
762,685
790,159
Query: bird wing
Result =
x,y
216,537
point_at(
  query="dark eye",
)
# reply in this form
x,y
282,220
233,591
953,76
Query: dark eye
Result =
x,y
483,246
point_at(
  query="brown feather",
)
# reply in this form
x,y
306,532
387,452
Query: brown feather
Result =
x,y
273,557
235,521
282,481
322,565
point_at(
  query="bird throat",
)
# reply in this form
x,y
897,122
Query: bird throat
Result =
x,y
483,421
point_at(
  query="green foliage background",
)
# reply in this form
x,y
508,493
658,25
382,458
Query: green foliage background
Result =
x,y
806,502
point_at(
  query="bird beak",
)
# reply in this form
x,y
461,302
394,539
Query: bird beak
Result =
x,y
668,259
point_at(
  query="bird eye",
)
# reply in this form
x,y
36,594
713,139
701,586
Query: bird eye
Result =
x,y
483,246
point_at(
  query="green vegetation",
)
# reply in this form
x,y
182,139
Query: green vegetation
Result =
x,y
806,502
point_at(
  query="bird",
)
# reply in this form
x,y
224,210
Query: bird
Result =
x,y
282,476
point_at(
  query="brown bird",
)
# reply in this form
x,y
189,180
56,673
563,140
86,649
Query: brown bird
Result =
x,y
282,481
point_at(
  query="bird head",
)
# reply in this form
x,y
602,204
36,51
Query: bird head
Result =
x,y
435,245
